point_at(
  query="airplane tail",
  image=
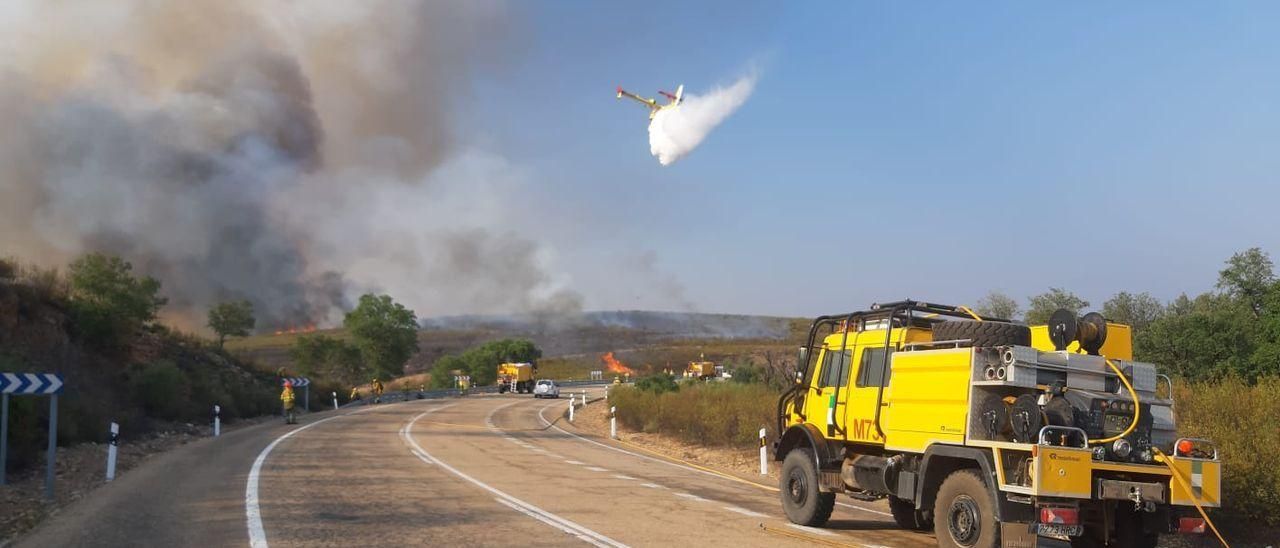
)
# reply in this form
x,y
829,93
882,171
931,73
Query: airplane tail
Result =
x,y
679,94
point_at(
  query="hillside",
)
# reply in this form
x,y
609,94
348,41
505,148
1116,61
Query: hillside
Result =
x,y
574,343
157,378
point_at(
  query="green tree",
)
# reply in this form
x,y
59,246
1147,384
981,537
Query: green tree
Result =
x,y
443,370
109,304
1248,276
329,358
1043,305
385,332
1202,338
231,319
1137,311
481,362
997,305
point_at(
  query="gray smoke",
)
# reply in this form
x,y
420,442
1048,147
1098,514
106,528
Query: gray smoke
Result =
x,y
295,154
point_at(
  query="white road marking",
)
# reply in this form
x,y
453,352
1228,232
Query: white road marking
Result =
x,y
523,507
252,508
692,496
579,463
652,486
677,465
813,530
597,469
745,512
624,477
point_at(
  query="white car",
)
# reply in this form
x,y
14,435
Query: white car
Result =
x,y
546,388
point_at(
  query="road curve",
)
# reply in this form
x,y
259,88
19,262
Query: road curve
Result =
x,y
481,470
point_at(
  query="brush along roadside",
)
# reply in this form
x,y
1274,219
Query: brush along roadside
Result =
x,y
742,462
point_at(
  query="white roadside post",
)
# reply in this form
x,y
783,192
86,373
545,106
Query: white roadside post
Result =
x,y
217,421
764,464
571,407
113,441
335,401
613,422
584,398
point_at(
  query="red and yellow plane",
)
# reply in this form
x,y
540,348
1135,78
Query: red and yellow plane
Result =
x,y
675,99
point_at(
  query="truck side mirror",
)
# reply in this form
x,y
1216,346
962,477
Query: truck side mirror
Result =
x,y
803,358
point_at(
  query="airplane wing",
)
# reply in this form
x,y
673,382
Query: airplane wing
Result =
x,y
647,102
654,107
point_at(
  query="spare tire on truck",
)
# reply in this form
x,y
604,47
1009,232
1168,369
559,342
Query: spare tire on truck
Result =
x,y
983,333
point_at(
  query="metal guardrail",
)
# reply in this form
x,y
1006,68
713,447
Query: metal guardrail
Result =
x,y
411,395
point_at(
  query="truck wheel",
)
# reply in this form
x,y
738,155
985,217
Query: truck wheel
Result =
x,y
803,502
983,333
905,513
964,513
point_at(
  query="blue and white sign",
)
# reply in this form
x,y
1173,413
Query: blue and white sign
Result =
x,y
296,381
30,384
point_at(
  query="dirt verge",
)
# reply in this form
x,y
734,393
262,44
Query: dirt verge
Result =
x,y
82,468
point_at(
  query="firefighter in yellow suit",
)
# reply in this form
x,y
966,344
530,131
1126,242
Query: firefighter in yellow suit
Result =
x,y
377,390
286,397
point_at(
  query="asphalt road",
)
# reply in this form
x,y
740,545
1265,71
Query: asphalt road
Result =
x,y
480,470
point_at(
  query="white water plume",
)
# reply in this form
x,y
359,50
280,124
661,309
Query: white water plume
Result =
x,y
675,132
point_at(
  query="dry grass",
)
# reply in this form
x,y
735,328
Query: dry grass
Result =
x,y
715,414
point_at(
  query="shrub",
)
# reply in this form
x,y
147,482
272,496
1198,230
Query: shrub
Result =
x,y
658,384
704,413
8,270
162,389
42,284
1241,419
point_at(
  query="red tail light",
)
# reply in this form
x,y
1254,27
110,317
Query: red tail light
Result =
x,y
1191,525
1059,516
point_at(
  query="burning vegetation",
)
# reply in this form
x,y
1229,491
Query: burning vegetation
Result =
x,y
612,365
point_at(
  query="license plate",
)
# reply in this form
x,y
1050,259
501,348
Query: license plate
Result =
x,y
1056,530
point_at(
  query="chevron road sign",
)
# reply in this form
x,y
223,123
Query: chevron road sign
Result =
x,y
296,381
30,384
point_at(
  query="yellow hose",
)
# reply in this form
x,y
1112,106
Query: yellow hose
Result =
x,y
1137,409
1160,456
970,312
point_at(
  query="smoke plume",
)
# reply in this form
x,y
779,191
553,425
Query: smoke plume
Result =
x,y
675,132
295,154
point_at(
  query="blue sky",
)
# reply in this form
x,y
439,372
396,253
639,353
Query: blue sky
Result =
x,y
890,153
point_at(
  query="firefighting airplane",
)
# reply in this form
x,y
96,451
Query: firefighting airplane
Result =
x,y
654,107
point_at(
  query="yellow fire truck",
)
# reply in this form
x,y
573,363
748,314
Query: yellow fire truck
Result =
x,y
989,432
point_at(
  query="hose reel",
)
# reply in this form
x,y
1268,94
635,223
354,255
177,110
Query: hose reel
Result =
x,y
1089,330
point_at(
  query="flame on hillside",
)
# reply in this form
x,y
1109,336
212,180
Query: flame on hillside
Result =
x,y
613,365
296,330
